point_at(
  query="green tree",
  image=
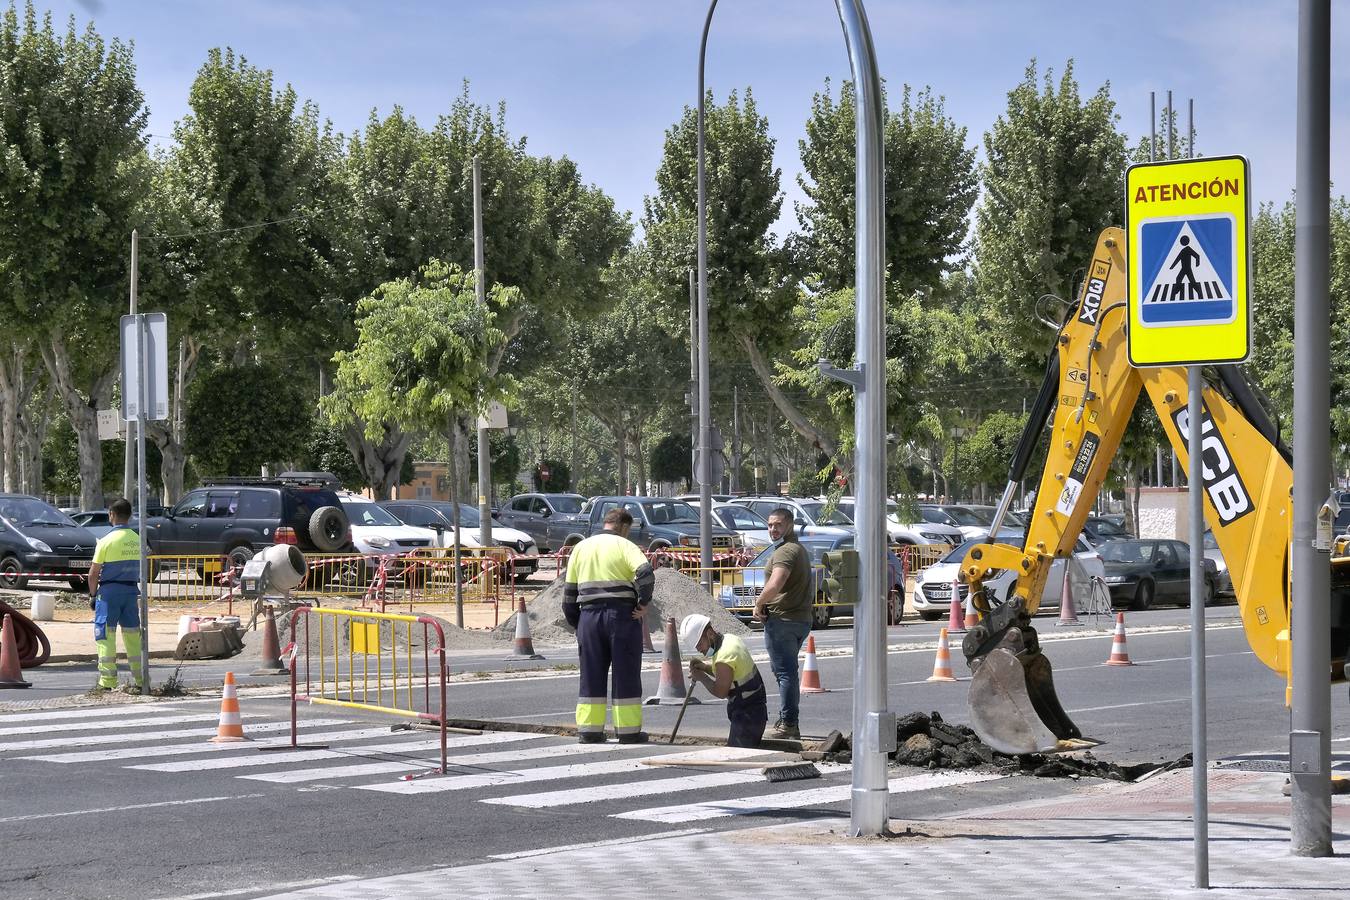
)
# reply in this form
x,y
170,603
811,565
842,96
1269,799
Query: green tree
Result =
x,y
72,142
240,418
1052,177
930,187
672,459
504,455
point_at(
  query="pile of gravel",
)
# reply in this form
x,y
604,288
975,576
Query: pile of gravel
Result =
x,y
675,596
926,741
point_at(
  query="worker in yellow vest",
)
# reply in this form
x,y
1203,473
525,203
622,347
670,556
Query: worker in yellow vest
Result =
x,y
114,583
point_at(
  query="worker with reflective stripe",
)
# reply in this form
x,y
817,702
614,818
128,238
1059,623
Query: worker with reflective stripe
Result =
x,y
114,583
605,598
731,674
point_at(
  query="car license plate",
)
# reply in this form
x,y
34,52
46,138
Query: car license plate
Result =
x,y
80,563
939,591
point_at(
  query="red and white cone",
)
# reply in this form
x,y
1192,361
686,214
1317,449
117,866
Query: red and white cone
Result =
x,y
972,617
810,670
230,728
942,664
670,691
1120,656
524,648
956,623
1067,614
11,675
271,648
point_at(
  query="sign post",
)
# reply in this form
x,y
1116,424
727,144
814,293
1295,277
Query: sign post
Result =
x,y
145,397
1188,270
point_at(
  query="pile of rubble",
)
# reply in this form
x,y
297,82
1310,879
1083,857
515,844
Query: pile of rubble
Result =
x,y
924,740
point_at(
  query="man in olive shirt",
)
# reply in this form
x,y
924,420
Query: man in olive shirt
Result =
x,y
784,606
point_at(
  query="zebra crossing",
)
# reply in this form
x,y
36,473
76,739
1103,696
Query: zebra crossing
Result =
x,y
498,768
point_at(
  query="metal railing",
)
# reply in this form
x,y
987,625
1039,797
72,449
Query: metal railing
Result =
x,y
366,636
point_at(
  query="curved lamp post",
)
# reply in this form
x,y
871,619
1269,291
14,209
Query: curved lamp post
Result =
x,y
873,724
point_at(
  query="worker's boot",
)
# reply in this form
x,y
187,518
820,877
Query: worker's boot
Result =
x,y
635,737
783,731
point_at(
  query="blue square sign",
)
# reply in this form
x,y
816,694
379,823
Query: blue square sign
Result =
x,y
1186,265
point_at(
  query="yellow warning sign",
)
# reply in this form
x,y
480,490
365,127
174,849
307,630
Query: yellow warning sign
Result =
x,y
1188,261
365,637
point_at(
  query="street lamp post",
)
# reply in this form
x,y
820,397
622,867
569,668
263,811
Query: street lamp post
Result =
x,y
873,724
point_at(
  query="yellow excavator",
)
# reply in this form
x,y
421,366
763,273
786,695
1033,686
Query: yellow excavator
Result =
x,y
1088,394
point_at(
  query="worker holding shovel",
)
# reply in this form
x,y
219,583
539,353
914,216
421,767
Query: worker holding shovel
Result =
x,y
729,674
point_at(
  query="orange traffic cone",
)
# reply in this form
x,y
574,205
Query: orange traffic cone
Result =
x,y
1067,614
942,665
271,648
231,727
524,648
670,691
956,623
810,671
11,675
972,617
1119,655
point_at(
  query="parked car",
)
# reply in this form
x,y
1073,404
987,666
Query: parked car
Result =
x,y
36,537
1144,572
750,525
378,532
439,517
97,523
534,513
1223,579
739,599
932,597
972,525
236,517
908,532
808,516
658,523
1099,529
698,498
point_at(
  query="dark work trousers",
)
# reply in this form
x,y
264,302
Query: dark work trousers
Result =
x,y
748,712
608,636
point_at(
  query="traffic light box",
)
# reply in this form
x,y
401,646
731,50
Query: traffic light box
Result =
x,y
841,577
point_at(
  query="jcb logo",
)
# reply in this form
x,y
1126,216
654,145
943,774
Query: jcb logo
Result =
x,y
1092,293
1223,484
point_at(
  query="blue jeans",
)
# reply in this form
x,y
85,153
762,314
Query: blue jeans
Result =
x,y
784,641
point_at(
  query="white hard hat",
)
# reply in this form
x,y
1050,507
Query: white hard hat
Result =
x,y
691,629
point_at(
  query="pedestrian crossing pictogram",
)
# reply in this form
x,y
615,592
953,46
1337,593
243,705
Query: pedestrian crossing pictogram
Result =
x,y
1187,265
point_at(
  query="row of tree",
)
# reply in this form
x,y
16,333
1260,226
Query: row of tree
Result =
x,y
298,265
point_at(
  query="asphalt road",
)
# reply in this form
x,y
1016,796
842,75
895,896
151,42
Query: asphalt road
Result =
x,y
205,820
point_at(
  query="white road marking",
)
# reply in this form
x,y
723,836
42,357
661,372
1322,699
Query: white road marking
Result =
x,y
546,773
101,712
113,809
119,753
95,740
694,812
463,760
624,790
256,759
1124,705
591,845
126,723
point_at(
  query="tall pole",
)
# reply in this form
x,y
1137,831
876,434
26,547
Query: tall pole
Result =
x,y
480,294
693,378
129,449
1199,737
1310,719
704,473
142,413
735,438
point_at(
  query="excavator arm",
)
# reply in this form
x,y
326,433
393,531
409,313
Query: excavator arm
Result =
x,y
1087,397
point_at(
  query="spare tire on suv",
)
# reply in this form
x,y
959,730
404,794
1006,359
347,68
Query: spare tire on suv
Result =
x,y
328,529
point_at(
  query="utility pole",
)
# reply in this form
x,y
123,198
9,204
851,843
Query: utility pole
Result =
x,y
480,292
693,380
129,454
1310,713
735,439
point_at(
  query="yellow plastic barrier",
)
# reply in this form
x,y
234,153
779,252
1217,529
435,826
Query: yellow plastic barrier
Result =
x,y
383,642
194,578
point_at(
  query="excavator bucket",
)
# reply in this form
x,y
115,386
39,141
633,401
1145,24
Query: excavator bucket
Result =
x,y
1001,710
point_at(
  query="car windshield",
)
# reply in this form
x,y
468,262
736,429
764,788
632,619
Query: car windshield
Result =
x,y
359,513
958,553
670,512
815,548
743,519
963,516
935,516
29,511
569,505
837,516
1106,528
1126,551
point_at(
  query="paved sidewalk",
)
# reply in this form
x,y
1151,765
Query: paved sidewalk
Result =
x,y
1123,840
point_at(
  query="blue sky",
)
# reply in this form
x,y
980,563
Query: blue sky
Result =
x,y
601,80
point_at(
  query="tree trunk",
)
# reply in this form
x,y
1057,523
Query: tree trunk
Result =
x,y
35,415
795,417
81,409
1132,504
641,462
621,442
380,461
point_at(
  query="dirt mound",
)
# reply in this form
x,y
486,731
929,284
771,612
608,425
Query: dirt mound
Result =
x,y
675,596
924,740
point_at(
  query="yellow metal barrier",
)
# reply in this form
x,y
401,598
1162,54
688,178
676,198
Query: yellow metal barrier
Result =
x,y
367,636
187,577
